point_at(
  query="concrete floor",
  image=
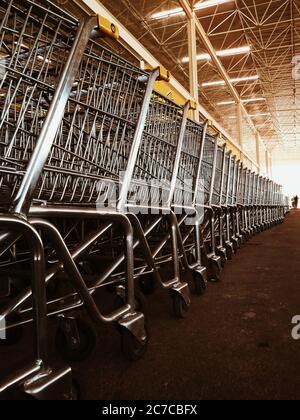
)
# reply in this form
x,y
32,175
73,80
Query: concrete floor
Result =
x,y
235,344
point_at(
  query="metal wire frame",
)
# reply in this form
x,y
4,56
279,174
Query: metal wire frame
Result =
x,y
207,172
218,186
155,164
188,166
36,39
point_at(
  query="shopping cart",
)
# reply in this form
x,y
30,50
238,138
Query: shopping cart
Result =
x,y
227,205
241,199
185,196
216,202
68,131
204,200
36,38
155,183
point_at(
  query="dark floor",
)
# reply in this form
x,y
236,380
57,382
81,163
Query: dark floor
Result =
x,y
235,344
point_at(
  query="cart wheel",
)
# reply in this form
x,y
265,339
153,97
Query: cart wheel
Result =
x,y
235,247
215,272
75,392
75,347
199,283
191,257
147,284
223,260
13,335
132,348
140,300
229,253
180,307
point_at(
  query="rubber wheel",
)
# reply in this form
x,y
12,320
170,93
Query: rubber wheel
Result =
x,y
215,273
229,253
140,301
191,257
223,260
132,348
13,335
180,307
235,247
147,284
76,392
80,351
199,284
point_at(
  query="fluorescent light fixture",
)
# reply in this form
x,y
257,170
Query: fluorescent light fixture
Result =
x,y
22,45
40,57
237,80
210,3
226,103
244,101
222,53
178,11
233,117
263,114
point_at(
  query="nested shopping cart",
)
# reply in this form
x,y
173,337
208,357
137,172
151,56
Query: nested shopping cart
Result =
x,y
150,199
36,39
72,115
233,219
251,203
203,202
185,196
227,203
241,200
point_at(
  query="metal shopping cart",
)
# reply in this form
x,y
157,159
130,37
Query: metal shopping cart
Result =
x,y
227,204
72,116
186,194
205,193
215,202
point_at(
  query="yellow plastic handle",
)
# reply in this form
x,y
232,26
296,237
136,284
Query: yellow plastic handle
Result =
x,y
108,28
164,74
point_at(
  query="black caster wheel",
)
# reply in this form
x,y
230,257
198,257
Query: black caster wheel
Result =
x,y
75,340
140,300
180,307
147,284
132,348
75,394
191,257
15,334
223,260
215,274
199,283
235,247
229,252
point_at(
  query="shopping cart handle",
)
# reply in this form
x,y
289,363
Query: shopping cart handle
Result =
x,y
164,74
108,28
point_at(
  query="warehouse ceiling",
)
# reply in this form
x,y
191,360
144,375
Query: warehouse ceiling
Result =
x,y
268,31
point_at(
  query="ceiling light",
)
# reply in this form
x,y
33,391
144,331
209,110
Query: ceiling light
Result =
x,y
263,114
223,53
237,80
22,45
226,103
168,13
178,11
210,3
40,57
244,101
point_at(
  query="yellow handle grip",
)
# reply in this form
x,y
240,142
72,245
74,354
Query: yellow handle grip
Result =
x,y
108,28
